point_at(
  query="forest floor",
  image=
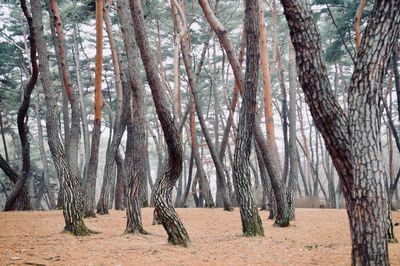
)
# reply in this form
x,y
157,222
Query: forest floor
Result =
x,y
317,237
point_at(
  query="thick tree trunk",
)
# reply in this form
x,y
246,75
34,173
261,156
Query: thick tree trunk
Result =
x,y
72,143
21,117
354,142
70,183
135,162
251,221
269,155
172,169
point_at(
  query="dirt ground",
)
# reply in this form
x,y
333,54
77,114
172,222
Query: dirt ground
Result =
x,y
317,237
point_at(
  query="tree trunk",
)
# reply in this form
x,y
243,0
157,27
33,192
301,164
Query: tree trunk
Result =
x,y
172,169
70,183
135,162
294,167
353,143
251,221
43,156
120,188
90,183
72,143
270,158
119,126
193,87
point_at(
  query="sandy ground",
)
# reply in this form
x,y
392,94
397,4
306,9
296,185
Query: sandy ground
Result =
x,y
317,237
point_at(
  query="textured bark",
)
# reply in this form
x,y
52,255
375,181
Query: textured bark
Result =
x,y
172,169
353,143
135,162
22,121
270,158
72,143
70,183
251,221
90,184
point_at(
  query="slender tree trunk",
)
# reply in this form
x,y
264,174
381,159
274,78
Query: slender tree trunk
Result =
x,y
22,119
120,188
70,183
85,125
90,184
172,169
193,87
43,156
294,167
119,126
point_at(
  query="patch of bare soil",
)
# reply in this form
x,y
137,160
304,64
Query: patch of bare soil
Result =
x,y
317,237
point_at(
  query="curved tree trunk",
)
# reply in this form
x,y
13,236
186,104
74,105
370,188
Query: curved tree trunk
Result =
x,y
70,183
354,141
172,169
22,126
251,221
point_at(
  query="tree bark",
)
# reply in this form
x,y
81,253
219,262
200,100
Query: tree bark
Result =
x,y
70,183
270,158
354,141
251,221
135,162
172,169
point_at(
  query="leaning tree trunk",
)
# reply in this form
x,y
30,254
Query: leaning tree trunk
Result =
x,y
135,161
193,87
70,183
251,221
172,169
22,126
354,141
